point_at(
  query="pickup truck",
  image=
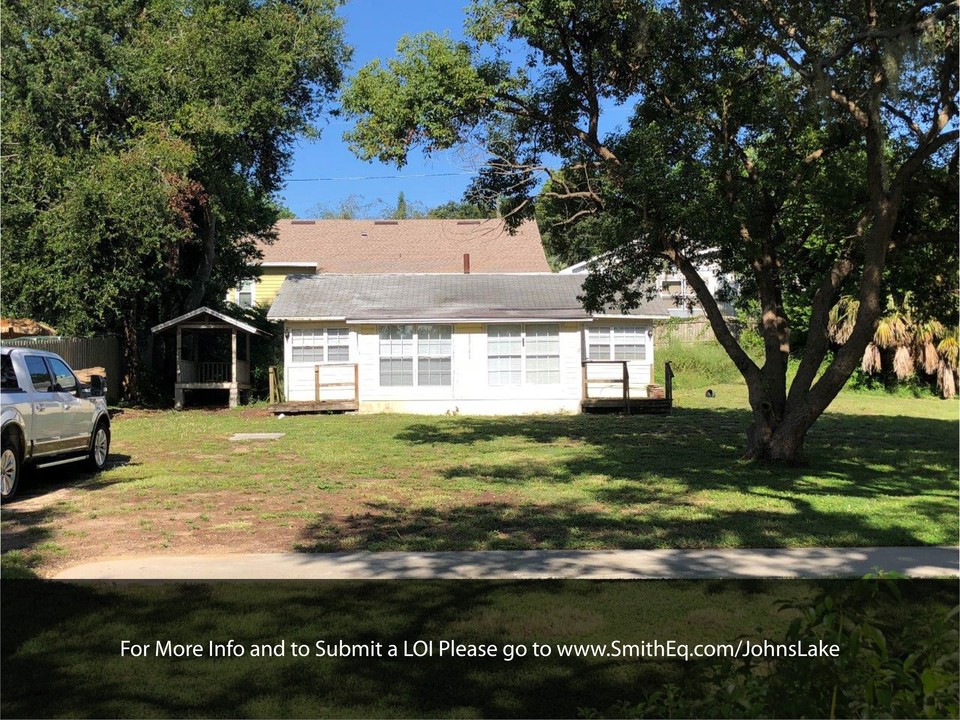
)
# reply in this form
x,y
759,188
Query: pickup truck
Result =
x,y
48,416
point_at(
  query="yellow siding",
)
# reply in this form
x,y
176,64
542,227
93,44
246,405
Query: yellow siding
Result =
x,y
271,279
268,284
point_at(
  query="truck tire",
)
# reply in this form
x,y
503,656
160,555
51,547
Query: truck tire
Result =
x,y
99,447
11,465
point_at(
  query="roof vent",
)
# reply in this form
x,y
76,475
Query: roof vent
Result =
x,y
468,222
385,222
303,222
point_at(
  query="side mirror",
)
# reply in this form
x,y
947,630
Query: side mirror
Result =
x,y
98,386
84,391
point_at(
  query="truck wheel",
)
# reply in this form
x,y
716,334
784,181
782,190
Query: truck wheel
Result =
x,y
99,447
11,465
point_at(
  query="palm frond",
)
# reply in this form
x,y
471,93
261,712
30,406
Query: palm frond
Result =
x,y
871,360
842,318
891,332
949,350
946,381
903,363
927,358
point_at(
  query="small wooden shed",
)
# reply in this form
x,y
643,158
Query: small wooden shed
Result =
x,y
213,353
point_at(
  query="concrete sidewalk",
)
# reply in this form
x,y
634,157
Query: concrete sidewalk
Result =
x,y
917,562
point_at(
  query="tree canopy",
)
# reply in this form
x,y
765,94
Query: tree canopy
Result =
x,y
808,148
143,143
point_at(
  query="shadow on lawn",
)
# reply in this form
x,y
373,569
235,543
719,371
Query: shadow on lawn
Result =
x,y
651,480
61,644
74,631
28,519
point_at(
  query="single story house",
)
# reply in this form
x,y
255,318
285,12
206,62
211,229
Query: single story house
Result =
x,y
390,246
459,343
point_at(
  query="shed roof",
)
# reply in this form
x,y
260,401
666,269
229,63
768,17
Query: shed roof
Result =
x,y
437,297
169,324
406,246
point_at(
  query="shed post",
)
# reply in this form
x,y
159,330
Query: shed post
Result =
x,y
178,391
234,393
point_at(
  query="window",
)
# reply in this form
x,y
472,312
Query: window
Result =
x,y
434,355
39,375
317,345
516,353
430,345
8,374
65,381
396,355
504,354
247,293
618,342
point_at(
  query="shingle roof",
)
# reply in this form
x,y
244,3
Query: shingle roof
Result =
x,y
437,297
415,246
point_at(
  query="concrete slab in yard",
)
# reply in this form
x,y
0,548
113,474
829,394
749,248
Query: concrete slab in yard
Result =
x,y
240,437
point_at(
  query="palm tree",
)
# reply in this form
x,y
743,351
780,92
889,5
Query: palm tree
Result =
x,y
910,346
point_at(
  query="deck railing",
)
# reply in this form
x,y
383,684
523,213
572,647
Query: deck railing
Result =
x,y
622,379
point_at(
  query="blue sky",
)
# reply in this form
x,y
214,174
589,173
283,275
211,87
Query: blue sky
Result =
x,y
373,28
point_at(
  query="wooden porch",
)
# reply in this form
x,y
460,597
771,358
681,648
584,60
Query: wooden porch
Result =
x,y
616,395
328,391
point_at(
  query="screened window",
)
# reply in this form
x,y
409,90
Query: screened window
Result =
x,y
543,354
619,342
247,293
523,353
416,355
39,375
504,354
434,355
396,355
338,344
317,345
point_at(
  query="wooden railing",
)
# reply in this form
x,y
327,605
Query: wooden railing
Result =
x,y
212,372
624,381
318,385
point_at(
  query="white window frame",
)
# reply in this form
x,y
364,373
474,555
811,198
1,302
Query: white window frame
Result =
x,y
246,286
609,338
416,350
531,363
320,344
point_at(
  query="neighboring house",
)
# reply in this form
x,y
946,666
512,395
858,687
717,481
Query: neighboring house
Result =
x,y
390,246
672,284
448,343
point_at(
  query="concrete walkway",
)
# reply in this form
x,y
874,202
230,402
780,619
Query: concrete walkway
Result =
x,y
915,562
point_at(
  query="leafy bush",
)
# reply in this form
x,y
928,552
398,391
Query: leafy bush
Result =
x,y
892,663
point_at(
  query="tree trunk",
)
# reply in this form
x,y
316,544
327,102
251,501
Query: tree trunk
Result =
x,y
130,352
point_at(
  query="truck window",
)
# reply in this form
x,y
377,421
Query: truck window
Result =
x,y
8,376
65,381
39,375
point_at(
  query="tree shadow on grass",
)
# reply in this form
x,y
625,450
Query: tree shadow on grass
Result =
x,y
673,481
61,645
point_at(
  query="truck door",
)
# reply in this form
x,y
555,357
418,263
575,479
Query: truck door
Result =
x,y
46,406
77,416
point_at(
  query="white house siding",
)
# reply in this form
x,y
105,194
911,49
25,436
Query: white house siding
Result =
x,y
299,377
470,391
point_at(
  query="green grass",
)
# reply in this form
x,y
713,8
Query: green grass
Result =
x,y
61,644
881,471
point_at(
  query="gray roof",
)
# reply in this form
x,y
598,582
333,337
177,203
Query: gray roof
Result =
x,y
212,313
438,296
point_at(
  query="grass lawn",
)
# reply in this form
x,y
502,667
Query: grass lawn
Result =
x,y
61,647
882,471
